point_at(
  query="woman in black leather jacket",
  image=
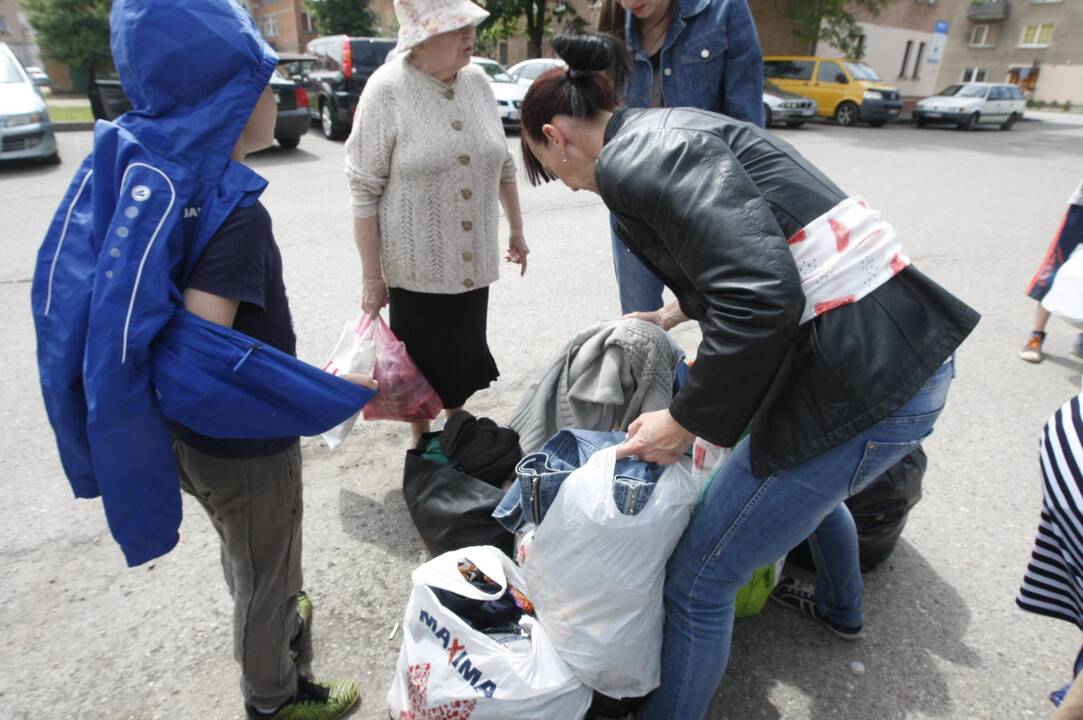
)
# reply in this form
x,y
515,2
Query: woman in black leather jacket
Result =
x,y
818,334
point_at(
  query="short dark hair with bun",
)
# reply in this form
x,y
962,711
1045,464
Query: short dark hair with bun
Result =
x,y
597,64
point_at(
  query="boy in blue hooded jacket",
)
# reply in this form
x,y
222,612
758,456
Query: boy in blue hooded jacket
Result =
x,y
164,331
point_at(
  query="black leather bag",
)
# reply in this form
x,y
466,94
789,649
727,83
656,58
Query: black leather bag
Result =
x,y
451,509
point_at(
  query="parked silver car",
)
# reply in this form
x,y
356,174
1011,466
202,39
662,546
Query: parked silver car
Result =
x,y
781,106
26,131
526,72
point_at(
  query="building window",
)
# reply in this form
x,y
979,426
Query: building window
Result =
x,y
4,26
1037,36
268,25
306,23
917,62
974,74
906,58
979,36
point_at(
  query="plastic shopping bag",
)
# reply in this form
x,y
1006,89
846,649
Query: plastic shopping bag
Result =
x,y
352,354
448,669
403,392
1065,296
596,575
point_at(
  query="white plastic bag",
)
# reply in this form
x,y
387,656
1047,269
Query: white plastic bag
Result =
x,y
597,575
1065,297
355,352
447,669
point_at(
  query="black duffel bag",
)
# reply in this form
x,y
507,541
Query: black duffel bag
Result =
x,y
451,509
880,512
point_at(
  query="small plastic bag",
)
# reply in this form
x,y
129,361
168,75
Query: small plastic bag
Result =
x,y
403,393
352,354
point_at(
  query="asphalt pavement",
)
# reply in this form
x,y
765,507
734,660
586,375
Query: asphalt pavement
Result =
x,y
87,637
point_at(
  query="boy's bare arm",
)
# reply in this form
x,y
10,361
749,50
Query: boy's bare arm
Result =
x,y
213,308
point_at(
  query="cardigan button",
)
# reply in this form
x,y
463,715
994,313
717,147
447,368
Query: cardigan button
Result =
x,y
467,194
468,226
456,125
449,94
464,159
468,256
468,283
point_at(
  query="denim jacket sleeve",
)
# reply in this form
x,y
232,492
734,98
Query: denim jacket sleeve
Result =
x,y
742,79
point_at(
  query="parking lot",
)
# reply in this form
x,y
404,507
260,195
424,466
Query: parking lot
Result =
x,y
87,637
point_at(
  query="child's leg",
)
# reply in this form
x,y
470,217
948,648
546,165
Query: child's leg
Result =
x,y
256,504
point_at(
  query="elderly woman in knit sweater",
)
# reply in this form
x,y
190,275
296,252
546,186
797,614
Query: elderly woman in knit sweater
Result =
x,y
427,162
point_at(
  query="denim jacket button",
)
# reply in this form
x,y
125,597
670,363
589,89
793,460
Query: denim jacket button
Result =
x,y
667,72
705,53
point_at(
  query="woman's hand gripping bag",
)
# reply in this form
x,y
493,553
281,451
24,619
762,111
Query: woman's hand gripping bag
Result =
x,y
403,393
449,669
597,575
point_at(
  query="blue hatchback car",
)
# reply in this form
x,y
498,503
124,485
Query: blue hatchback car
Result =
x,y
26,132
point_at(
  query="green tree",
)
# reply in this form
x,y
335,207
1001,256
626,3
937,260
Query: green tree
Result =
x,y
342,17
831,21
70,31
507,16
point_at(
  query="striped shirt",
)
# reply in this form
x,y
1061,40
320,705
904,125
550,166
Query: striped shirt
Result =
x,y
1053,584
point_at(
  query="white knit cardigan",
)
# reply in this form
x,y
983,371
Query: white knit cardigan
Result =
x,y
428,159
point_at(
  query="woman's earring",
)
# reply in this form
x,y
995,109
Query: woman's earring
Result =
x,y
565,159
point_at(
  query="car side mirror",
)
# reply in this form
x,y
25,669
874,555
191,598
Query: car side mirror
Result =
x,y
840,78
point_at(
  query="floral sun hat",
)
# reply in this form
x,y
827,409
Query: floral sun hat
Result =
x,y
419,20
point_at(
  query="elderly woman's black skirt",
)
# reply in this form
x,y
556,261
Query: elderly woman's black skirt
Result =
x,y
445,336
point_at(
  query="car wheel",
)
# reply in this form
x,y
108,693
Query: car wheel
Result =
x,y
970,123
288,143
766,116
53,159
795,123
1007,124
331,129
847,113
922,122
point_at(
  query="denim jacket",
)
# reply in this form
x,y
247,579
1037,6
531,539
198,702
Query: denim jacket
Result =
x,y
711,60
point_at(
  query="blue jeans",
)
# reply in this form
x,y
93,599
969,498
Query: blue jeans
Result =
x,y
540,475
640,289
744,523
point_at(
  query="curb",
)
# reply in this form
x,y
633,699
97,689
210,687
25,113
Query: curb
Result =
x,y
72,126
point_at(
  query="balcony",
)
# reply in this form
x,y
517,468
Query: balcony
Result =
x,y
988,10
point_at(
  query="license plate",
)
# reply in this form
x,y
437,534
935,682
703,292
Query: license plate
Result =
x,y
807,113
514,115
893,111
933,115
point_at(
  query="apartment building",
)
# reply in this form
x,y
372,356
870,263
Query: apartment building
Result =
x,y
1036,44
284,23
16,33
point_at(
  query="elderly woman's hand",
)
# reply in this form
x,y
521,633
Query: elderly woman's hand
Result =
x,y
656,437
517,251
373,295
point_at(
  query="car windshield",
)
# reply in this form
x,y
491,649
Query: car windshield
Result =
x,y
974,91
861,71
495,72
9,73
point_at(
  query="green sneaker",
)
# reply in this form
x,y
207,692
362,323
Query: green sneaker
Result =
x,y
314,701
304,610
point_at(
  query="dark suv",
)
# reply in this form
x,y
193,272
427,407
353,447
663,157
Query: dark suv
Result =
x,y
335,81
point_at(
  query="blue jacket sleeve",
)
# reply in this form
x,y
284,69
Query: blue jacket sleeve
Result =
x,y
742,91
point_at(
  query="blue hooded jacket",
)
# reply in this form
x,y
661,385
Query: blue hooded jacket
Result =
x,y
117,352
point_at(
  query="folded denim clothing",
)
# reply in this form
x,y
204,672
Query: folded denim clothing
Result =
x,y
540,475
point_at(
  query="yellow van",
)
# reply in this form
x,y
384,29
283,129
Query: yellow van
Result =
x,y
847,90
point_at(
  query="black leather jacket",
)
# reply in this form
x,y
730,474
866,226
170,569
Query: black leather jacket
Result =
x,y
708,202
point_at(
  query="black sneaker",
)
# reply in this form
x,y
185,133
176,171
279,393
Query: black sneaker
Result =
x,y
801,596
314,701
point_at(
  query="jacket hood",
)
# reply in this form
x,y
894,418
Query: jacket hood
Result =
x,y
196,68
